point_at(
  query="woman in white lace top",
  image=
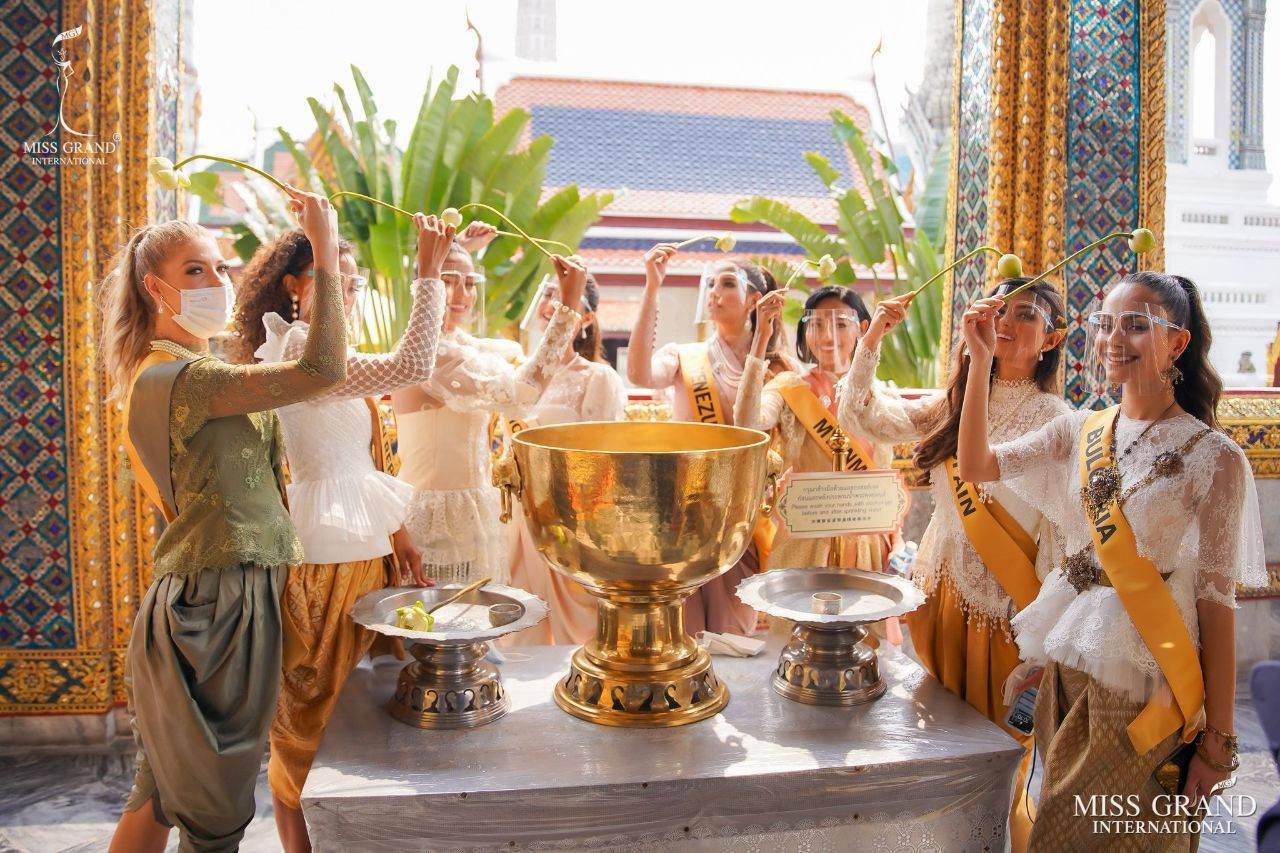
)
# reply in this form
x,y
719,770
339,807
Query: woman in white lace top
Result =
x,y
962,634
443,426
1136,628
768,404
586,388
734,288
348,510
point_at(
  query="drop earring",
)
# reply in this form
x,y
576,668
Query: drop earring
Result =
x,y
293,298
1040,357
1172,374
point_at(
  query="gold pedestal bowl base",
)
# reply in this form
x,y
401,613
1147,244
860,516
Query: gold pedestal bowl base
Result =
x,y
646,699
828,667
449,687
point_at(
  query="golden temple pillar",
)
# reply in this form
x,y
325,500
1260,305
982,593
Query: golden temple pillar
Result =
x,y
1058,138
92,89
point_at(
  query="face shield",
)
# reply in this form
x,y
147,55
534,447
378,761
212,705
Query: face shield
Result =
x,y
830,336
722,288
1023,326
1131,344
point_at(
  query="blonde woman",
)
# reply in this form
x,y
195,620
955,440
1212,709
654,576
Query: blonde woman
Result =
x,y
203,665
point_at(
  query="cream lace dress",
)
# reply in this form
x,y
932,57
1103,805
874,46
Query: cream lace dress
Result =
x,y
343,508
444,447
1202,524
946,556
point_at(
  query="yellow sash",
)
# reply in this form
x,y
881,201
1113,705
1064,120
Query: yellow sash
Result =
x,y
1007,550
140,471
698,384
1147,601
820,425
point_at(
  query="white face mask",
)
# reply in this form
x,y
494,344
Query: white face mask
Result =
x,y
204,311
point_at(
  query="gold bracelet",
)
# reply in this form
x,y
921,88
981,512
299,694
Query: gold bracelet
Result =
x,y
1232,742
1221,768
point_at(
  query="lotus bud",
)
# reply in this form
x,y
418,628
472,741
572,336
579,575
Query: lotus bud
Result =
x,y
826,266
156,164
166,178
1009,266
182,179
1142,241
451,217
726,242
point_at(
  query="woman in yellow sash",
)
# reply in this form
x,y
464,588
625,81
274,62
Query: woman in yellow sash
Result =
x,y
962,634
1136,629
347,509
704,378
203,665
800,405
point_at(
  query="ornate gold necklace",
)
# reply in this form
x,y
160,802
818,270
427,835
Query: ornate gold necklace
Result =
x,y
1104,482
174,349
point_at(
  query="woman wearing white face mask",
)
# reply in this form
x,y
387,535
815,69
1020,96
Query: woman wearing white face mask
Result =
x,y
204,658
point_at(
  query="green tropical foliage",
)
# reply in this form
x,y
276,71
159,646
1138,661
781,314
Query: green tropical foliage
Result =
x,y
457,152
871,237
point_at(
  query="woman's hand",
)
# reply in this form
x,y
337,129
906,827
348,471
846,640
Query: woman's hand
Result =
x,y
477,235
408,557
889,313
573,281
655,263
434,240
1203,779
768,314
979,324
319,222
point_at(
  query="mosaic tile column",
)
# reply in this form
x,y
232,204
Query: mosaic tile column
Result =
x,y
1059,106
88,91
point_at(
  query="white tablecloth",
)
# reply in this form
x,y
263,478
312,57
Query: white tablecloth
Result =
x,y
916,770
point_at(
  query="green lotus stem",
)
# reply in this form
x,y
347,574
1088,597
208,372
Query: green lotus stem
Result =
x,y
1062,263
957,262
797,270
231,162
507,219
693,240
568,250
364,197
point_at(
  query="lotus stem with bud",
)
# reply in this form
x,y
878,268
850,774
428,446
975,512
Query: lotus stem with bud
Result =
x,y
1141,241
453,216
724,242
364,197
170,175
826,267
1007,262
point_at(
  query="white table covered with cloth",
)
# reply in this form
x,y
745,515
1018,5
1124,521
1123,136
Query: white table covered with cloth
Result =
x,y
917,769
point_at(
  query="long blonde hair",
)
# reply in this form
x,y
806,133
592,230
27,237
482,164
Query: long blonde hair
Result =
x,y
128,313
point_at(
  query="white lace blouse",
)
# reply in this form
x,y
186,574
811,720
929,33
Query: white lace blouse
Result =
x,y
582,390
871,408
1202,525
343,508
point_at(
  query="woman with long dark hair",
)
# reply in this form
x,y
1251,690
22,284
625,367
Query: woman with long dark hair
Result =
x,y
732,292
1160,518
800,405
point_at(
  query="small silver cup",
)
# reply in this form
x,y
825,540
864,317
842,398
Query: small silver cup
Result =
x,y
504,614
827,602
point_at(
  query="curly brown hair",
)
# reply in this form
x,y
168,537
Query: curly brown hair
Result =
x,y
261,289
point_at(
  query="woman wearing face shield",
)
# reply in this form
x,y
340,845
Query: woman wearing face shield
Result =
x,y
443,424
731,294
203,665
1160,517
800,405
348,508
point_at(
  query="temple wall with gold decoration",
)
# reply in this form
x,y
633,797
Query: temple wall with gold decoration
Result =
x,y
76,538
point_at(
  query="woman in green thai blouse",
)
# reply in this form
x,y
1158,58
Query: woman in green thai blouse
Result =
x,y
203,665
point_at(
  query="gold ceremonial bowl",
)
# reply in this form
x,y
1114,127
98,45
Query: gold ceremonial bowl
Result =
x,y
641,514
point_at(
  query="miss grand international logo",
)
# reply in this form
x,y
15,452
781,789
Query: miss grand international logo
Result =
x,y
64,145
1124,814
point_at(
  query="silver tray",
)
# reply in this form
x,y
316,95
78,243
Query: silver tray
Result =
x,y
461,623
868,596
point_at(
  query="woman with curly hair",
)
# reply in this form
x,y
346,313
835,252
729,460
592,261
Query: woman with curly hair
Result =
x,y
348,510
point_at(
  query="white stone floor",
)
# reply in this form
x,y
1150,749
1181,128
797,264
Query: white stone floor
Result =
x,y
61,802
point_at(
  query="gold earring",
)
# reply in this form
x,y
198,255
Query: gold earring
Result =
x,y
293,297
1172,374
